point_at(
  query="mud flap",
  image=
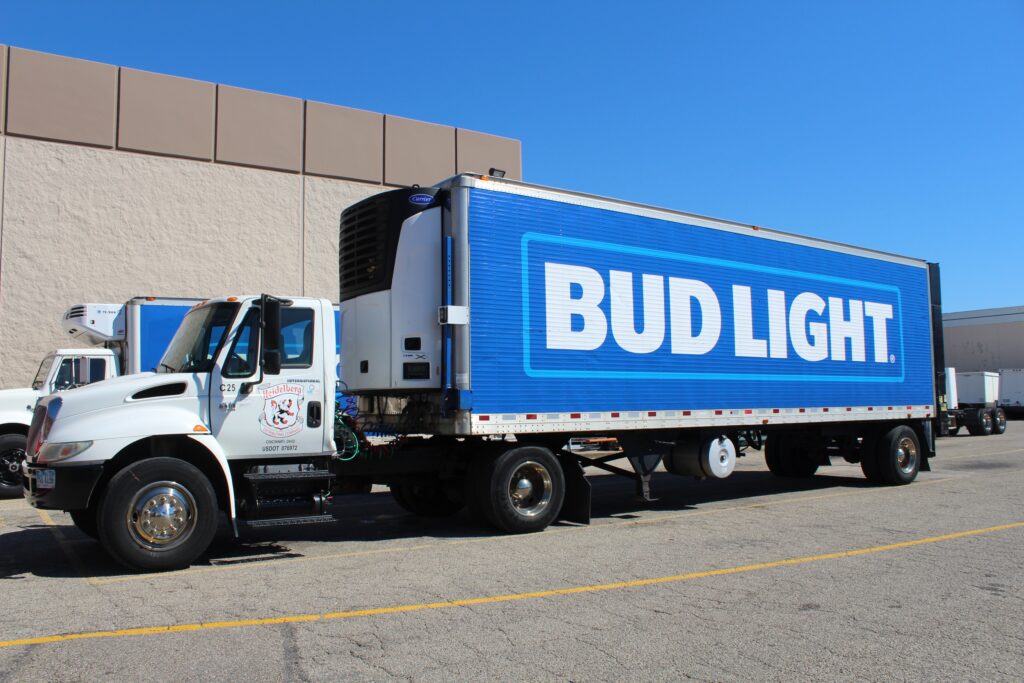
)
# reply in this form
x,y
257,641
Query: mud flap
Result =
x,y
576,507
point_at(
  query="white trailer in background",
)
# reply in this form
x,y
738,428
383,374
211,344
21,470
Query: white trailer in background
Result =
x,y
1011,389
973,399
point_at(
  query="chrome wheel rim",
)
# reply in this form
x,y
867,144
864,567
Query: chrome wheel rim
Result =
x,y
530,489
161,516
1001,420
10,466
906,455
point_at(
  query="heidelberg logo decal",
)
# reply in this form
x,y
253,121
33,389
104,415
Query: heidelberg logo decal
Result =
x,y
282,405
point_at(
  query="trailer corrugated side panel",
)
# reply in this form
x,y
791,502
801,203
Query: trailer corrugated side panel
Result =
x,y
546,336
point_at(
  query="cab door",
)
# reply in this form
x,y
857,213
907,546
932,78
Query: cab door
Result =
x,y
276,415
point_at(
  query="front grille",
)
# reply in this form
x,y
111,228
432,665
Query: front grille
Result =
x,y
33,431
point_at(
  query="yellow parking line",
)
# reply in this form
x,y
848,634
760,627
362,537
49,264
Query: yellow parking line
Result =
x,y
65,546
96,581
550,593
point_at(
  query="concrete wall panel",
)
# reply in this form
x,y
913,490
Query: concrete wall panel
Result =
x,y
60,98
344,143
259,129
84,224
325,200
416,152
166,115
972,348
480,152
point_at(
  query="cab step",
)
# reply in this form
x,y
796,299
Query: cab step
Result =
x,y
275,477
287,521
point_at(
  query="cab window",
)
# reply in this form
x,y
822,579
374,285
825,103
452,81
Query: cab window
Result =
x,y
297,337
241,359
65,377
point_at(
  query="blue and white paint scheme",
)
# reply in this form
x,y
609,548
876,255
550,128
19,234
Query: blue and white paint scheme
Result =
x,y
591,307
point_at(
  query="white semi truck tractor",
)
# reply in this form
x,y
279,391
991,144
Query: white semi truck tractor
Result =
x,y
123,339
484,324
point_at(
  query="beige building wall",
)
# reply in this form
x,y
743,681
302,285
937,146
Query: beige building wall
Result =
x,y
972,348
117,183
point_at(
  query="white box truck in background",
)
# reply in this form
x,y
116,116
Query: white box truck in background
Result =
x,y
124,339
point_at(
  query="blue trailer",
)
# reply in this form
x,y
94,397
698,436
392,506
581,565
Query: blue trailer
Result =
x,y
503,319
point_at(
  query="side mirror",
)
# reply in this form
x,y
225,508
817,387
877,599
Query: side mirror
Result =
x,y
270,322
272,362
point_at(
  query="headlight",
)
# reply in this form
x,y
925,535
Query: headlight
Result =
x,y
55,452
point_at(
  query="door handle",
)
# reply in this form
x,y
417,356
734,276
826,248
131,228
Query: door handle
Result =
x,y
314,414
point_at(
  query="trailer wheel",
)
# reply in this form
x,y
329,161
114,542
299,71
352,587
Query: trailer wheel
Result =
x,y
85,520
428,498
898,456
792,454
521,490
999,421
12,453
981,425
158,514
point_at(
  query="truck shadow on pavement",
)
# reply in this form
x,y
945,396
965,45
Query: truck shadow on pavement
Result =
x,y
62,551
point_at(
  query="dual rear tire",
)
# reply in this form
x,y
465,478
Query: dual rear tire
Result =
x,y
795,455
892,458
519,490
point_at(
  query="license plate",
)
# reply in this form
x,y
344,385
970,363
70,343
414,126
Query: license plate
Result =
x,y
46,479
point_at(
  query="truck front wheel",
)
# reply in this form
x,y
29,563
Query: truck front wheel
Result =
x,y
897,457
521,490
12,452
158,514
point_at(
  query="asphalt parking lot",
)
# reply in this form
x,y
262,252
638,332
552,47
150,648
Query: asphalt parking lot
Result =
x,y
753,577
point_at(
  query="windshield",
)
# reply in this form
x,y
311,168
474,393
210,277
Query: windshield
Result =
x,y
195,345
43,372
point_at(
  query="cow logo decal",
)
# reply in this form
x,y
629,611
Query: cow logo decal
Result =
x,y
282,410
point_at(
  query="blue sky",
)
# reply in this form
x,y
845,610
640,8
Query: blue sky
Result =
x,y
896,125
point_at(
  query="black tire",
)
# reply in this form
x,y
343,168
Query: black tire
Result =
x,y
981,425
85,520
428,498
999,421
869,458
954,431
174,519
898,456
519,491
795,455
12,453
